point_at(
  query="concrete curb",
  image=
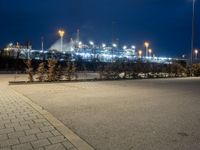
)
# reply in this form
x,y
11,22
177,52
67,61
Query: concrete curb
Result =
x,y
79,143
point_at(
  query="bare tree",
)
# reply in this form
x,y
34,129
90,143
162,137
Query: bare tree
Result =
x,y
29,70
51,76
41,72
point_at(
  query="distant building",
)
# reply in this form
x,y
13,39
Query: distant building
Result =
x,y
16,50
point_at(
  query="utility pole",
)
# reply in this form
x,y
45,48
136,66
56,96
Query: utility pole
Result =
x,y
78,36
42,43
193,32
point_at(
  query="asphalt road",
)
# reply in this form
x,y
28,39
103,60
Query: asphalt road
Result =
x,y
161,114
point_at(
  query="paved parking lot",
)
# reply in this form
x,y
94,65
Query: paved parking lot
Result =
x,y
129,115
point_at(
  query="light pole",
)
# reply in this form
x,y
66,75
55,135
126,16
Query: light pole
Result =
x,y
193,31
150,52
61,33
140,53
196,53
103,45
114,46
146,44
93,51
124,47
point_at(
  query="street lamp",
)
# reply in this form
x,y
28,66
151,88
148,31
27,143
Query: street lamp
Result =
x,y
196,53
91,43
146,44
124,47
80,44
103,45
93,50
150,52
61,33
133,46
140,53
193,31
114,45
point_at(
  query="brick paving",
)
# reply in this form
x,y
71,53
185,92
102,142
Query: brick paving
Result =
x,y
24,128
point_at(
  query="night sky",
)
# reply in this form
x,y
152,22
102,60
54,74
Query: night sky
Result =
x,y
166,24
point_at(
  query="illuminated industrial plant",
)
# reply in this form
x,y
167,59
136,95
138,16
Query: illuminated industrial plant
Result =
x,y
78,50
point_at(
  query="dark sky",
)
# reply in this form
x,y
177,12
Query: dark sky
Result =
x,y
165,23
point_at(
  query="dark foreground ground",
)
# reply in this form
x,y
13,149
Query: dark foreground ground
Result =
x,y
126,115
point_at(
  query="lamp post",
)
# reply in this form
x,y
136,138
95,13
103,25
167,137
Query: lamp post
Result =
x,y
124,47
61,33
114,46
140,53
193,31
196,53
150,52
93,50
146,44
103,45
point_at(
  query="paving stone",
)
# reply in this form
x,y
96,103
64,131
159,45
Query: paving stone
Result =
x,y
30,118
46,123
16,134
28,138
3,137
32,131
10,125
68,145
19,128
26,146
44,135
40,143
28,122
55,132
57,139
55,147
46,128
9,142
39,120
6,130
36,125
2,127
6,148
5,121
41,148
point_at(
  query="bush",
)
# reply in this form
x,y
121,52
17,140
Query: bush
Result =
x,y
71,71
196,70
41,72
51,76
29,70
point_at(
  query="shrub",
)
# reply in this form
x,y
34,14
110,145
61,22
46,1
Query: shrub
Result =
x,y
51,76
41,72
29,70
59,73
196,69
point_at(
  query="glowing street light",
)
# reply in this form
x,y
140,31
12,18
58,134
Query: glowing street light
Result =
x,y
114,45
196,53
61,33
146,44
80,44
103,45
140,53
150,52
124,47
133,47
91,43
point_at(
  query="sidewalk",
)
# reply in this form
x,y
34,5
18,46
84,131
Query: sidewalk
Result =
x,y
23,127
